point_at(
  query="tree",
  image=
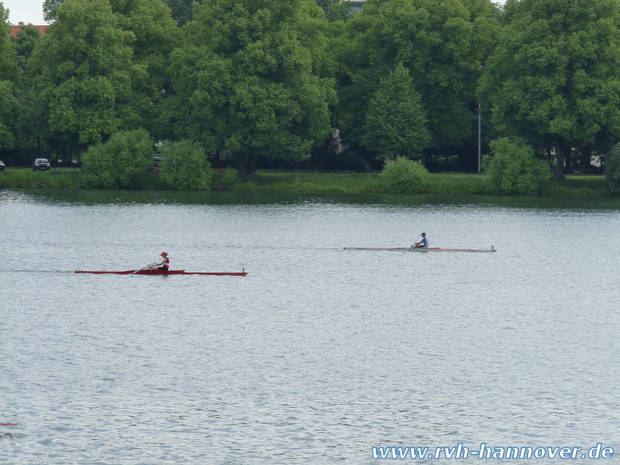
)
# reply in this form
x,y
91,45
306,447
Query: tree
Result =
x,y
49,9
336,10
154,34
396,120
118,163
513,168
8,76
181,10
612,167
25,41
185,166
554,79
441,42
249,79
82,73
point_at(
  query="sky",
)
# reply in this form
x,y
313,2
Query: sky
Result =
x,y
28,11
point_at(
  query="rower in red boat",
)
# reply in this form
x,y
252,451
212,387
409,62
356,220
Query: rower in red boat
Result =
x,y
164,265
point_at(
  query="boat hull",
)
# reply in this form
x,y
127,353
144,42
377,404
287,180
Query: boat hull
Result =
x,y
419,249
171,272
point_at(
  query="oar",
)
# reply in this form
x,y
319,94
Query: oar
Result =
x,y
142,269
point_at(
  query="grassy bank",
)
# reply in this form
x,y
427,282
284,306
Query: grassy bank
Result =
x,y
65,178
353,183
53,179
441,183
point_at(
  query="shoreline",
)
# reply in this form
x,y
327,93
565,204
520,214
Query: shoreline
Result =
x,y
581,185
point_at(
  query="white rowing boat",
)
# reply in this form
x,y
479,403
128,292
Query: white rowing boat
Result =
x,y
419,249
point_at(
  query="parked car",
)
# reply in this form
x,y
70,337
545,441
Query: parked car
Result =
x,y
2,165
40,164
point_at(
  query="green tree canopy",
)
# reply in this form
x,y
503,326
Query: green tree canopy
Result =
x,y
49,9
443,44
249,78
336,10
8,76
118,162
25,41
396,120
156,35
82,73
554,79
181,10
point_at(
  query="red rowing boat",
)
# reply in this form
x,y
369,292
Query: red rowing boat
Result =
x,y
162,272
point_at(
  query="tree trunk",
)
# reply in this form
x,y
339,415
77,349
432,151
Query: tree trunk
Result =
x,y
241,159
560,156
251,163
246,163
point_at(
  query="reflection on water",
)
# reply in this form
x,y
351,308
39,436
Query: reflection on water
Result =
x,y
106,197
317,355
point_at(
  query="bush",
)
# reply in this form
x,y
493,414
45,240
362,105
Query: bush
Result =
x,y
185,166
230,177
404,176
118,163
513,169
612,167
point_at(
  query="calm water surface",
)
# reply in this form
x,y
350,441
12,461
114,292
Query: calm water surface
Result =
x,y
319,354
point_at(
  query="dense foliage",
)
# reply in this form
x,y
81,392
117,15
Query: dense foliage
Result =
x,y
307,84
185,166
612,167
513,168
396,121
404,176
441,42
119,162
8,75
25,41
82,73
554,78
248,78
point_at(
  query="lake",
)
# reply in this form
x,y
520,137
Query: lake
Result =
x,y
319,354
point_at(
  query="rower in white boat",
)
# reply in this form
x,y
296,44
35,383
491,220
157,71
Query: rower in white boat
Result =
x,y
423,244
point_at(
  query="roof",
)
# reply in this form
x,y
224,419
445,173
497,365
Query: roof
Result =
x,y
15,29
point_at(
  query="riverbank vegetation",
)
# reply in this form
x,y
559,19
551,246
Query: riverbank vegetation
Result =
x,y
296,181
401,87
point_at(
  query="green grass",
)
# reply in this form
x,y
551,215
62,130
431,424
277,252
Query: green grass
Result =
x,y
456,184
358,182
273,181
441,183
40,179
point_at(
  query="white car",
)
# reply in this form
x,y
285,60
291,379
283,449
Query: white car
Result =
x,y
41,164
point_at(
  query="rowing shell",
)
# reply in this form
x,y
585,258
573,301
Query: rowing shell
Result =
x,y
420,249
162,272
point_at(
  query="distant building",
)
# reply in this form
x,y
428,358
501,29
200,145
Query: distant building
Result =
x,y
357,5
15,29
